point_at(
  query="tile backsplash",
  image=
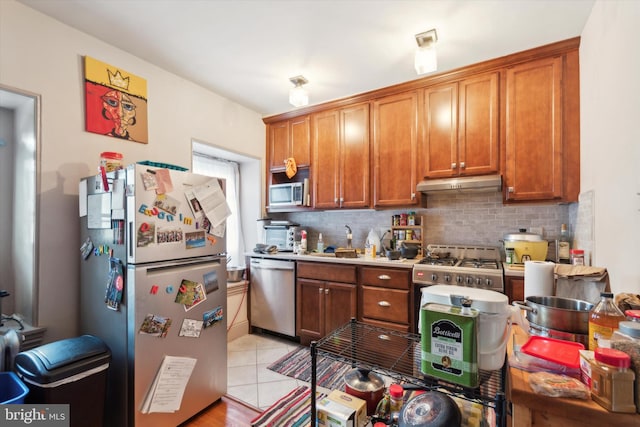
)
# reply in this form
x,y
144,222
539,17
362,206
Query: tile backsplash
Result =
x,y
480,219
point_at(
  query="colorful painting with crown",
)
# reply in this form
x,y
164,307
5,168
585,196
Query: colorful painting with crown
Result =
x,y
116,102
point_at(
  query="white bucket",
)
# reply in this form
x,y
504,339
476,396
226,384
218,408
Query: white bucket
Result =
x,y
493,336
494,319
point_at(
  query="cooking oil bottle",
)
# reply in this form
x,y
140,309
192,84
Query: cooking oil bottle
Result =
x,y
604,319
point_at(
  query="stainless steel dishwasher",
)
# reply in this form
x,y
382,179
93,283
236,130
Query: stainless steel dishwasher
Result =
x,y
273,295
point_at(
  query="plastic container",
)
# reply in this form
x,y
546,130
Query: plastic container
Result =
x,y
612,380
396,396
633,315
111,161
562,352
493,320
320,244
71,371
577,256
603,319
627,340
12,390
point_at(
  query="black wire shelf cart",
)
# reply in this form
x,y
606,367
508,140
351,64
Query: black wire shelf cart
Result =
x,y
397,355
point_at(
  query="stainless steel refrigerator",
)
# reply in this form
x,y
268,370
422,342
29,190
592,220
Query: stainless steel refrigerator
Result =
x,y
153,287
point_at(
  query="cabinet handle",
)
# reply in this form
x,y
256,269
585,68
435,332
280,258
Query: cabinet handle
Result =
x,y
462,165
384,303
326,291
510,190
454,165
384,277
413,196
384,337
320,290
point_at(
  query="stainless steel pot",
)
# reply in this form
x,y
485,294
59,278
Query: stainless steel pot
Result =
x,y
562,314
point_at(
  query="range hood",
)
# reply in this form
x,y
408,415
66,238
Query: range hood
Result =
x,y
466,184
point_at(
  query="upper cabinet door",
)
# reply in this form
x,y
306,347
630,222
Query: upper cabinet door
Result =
x,y
289,138
341,158
355,177
478,125
534,117
461,128
395,146
326,155
440,121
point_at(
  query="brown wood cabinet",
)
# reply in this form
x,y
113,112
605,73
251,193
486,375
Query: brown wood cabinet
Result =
x,y
517,115
326,298
289,138
514,288
542,130
385,297
461,128
395,150
341,158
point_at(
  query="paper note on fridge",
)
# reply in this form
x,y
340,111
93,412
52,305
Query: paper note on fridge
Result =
x,y
213,202
165,394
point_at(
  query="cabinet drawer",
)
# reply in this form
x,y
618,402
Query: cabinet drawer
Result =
x,y
389,305
326,271
386,277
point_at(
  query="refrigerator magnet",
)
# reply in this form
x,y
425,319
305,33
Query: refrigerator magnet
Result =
x,y
212,317
191,328
155,325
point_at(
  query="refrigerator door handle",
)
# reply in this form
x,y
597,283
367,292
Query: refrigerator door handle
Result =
x,y
216,262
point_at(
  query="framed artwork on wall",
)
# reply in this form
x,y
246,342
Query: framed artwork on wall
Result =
x,y
115,102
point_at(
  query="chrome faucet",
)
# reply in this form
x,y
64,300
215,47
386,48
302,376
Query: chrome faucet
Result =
x,y
349,236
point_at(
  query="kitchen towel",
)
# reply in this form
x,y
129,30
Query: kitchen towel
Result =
x,y
539,278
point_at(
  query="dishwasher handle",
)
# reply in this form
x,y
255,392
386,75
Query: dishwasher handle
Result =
x,y
273,265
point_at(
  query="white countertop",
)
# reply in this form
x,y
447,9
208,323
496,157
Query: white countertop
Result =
x,y
360,260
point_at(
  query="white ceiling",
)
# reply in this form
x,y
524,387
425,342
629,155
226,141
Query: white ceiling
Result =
x,y
246,50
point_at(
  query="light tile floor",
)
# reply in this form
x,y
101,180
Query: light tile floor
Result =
x,y
248,379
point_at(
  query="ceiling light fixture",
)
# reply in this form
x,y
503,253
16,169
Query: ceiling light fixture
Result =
x,y
298,96
426,59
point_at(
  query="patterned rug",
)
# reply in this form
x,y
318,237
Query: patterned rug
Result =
x,y
297,364
291,410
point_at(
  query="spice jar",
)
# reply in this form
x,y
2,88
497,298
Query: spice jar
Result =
x,y
577,256
612,380
396,394
403,219
510,255
627,339
411,219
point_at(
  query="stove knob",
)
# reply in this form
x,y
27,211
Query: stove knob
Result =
x,y
459,279
469,280
478,280
488,282
434,277
447,278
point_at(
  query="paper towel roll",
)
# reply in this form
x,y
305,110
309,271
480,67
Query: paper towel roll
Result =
x,y
538,278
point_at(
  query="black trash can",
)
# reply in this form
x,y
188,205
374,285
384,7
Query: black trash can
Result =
x,y
71,371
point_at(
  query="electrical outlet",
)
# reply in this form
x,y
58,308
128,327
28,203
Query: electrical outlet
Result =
x,y
536,230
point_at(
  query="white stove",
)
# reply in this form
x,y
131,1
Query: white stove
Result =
x,y
473,266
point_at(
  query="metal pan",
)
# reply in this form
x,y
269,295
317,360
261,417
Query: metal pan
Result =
x,y
563,314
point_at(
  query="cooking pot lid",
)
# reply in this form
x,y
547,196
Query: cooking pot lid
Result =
x,y
483,300
522,235
363,380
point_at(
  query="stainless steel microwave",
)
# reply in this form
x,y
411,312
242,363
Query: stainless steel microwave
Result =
x,y
290,194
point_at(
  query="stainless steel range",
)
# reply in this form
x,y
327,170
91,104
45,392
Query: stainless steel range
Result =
x,y
474,266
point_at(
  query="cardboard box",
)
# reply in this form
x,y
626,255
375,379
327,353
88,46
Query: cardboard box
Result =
x,y
355,403
586,356
334,414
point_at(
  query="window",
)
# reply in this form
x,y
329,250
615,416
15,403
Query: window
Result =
x,y
228,170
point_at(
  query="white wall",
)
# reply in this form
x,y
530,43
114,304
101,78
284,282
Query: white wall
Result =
x,y
610,137
41,55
